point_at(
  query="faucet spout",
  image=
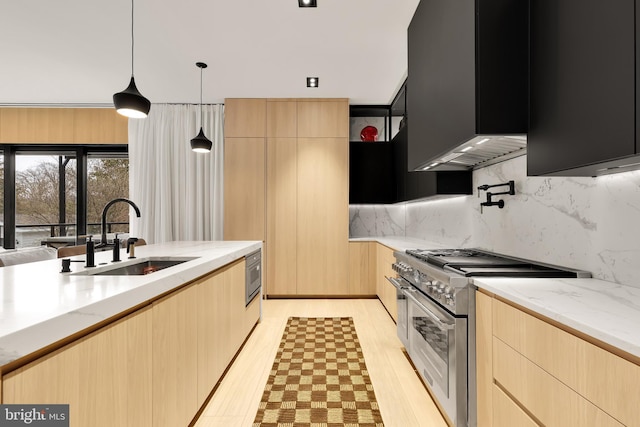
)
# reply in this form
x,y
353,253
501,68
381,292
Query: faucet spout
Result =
x,y
103,235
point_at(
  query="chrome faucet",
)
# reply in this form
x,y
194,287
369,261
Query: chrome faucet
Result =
x,y
103,237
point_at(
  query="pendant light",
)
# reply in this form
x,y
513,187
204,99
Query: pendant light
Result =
x,y
130,101
201,144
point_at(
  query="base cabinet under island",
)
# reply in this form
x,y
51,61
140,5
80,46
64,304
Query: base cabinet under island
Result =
x,y
155,367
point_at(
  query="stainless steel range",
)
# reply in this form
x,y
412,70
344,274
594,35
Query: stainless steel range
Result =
x,y
436,317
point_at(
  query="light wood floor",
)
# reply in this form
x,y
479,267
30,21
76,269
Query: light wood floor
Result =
x,y
403,400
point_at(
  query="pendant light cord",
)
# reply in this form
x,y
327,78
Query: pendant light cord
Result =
x,y
131,38
201,116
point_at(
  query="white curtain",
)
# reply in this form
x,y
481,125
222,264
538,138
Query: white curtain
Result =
x,y
179,192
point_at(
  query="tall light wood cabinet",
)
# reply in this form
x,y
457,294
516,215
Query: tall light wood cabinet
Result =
x,y
244,189
323,216
306,210
244,169
282,193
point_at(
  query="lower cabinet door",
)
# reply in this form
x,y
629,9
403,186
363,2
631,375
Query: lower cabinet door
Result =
x,y
506,413
105,378
175,358
362,261
213,324
545,397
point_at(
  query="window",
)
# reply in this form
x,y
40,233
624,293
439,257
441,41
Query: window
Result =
x,y
59,193
45,191
107,179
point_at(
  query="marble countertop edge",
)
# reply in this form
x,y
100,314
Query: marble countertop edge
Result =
x,y
607,311
399,243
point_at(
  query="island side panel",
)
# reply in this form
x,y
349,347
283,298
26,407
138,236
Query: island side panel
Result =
x,y
104,378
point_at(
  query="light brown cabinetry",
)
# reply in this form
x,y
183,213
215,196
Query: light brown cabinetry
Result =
x,y
507,413
244,169
362,268
555,376
282,198
175,358
305,209
105,377
385,290
244,189
323,118
245,118
213,332
155,367
484,359
223,323
323,216
62,126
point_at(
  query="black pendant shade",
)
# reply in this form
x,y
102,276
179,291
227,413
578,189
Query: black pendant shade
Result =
x,y
131,103
201,144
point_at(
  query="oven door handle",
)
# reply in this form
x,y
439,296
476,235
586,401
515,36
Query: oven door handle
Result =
x,y
441,323
396,283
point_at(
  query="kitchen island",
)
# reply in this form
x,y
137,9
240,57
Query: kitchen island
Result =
x,y
125,350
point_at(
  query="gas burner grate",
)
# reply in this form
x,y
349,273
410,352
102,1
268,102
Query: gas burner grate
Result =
x,y
452,252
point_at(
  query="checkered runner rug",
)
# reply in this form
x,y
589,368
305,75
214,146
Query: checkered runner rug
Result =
x,y
319,378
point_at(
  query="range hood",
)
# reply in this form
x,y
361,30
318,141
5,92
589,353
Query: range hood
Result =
x,y
468,83
481,151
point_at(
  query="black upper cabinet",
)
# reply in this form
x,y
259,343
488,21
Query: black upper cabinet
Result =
x,y
467,74
372,174
583,86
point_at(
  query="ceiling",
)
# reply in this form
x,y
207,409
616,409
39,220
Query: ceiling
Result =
x,y
79,51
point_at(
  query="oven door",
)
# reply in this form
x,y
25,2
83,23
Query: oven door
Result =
x,y
436,341
401,286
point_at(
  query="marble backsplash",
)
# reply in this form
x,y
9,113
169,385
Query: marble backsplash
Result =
x,y
584,223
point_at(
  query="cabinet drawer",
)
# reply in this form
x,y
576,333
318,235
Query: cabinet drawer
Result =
x,y
506,413
609,381
545,397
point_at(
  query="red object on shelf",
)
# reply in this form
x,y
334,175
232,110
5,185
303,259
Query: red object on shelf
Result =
x,y
369,134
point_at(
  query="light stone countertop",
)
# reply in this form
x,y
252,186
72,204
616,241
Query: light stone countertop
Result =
x,y
41,306
606,311
399,243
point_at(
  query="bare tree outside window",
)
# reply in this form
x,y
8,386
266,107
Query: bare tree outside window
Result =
x,y
107,179
38,196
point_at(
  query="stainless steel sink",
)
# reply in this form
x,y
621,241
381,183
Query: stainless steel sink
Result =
x,y
136,268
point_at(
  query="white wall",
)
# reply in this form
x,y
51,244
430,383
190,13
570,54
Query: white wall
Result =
x,y
585,223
